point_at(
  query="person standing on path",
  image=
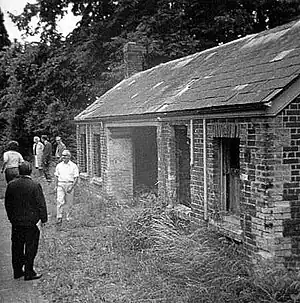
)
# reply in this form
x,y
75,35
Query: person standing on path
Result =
x,y
59,148
38,148
66,178
27,212
46,158
11,161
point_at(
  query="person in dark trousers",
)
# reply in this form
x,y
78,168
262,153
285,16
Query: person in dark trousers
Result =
x,y
60,147
46,158
11,160
27,212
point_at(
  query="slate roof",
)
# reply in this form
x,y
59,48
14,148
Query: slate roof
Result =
x,y
250,70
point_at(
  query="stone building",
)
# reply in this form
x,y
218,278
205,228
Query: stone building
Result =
x,y
217,132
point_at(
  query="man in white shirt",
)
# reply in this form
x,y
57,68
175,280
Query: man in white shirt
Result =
x,y
66,178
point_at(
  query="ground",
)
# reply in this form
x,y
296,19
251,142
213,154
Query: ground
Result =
x,y
138,253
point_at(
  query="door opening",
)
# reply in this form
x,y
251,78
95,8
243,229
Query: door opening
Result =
x,y
230,174
145,159
183,176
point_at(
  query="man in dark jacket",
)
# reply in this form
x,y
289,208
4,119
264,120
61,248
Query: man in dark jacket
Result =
x,y
26,210
46,158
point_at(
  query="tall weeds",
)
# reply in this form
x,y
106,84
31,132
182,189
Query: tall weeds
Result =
x,y
142,252
197,265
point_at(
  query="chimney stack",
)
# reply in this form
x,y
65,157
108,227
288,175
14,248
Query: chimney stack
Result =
x,y
133,58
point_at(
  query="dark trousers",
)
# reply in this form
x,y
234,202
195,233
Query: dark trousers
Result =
x,y
46,169
24,247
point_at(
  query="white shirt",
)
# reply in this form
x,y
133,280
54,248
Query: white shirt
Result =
x,y
66,172
12,159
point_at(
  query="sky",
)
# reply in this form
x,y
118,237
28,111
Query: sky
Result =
x,y
16,7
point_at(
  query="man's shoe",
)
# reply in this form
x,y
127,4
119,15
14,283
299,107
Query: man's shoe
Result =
x,y
32,277
19,275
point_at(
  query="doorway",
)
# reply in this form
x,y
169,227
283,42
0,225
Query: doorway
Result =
x,y
230,174
144,158
132,154
183,176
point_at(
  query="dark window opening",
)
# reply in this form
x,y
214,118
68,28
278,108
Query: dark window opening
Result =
x,y
183,177
97,155
83,153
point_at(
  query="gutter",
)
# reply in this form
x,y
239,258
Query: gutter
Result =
x,y
256,109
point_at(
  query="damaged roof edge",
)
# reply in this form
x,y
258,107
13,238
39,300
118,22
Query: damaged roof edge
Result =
x,y
257,109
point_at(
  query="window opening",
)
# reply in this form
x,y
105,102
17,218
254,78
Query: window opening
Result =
x,y
97,155
83,153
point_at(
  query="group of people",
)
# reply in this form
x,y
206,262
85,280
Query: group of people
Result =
x,y
42,153
25,202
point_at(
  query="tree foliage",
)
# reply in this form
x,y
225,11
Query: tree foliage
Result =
x,y
4,39
49,82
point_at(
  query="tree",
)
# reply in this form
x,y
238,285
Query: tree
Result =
x,y
4,43
4,40
43,95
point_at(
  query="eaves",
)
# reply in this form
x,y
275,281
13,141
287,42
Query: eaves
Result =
x,y
234,111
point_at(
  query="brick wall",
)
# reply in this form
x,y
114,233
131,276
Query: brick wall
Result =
x,y
88,180
289,134
268,223
260,161
120,164
197,173
166,163
269,220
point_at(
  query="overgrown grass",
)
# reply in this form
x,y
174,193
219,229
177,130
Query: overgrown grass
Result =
x,y
141,252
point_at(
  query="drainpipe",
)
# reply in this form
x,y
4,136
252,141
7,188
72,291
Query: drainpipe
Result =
x,y
191,143
204,170
87,149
